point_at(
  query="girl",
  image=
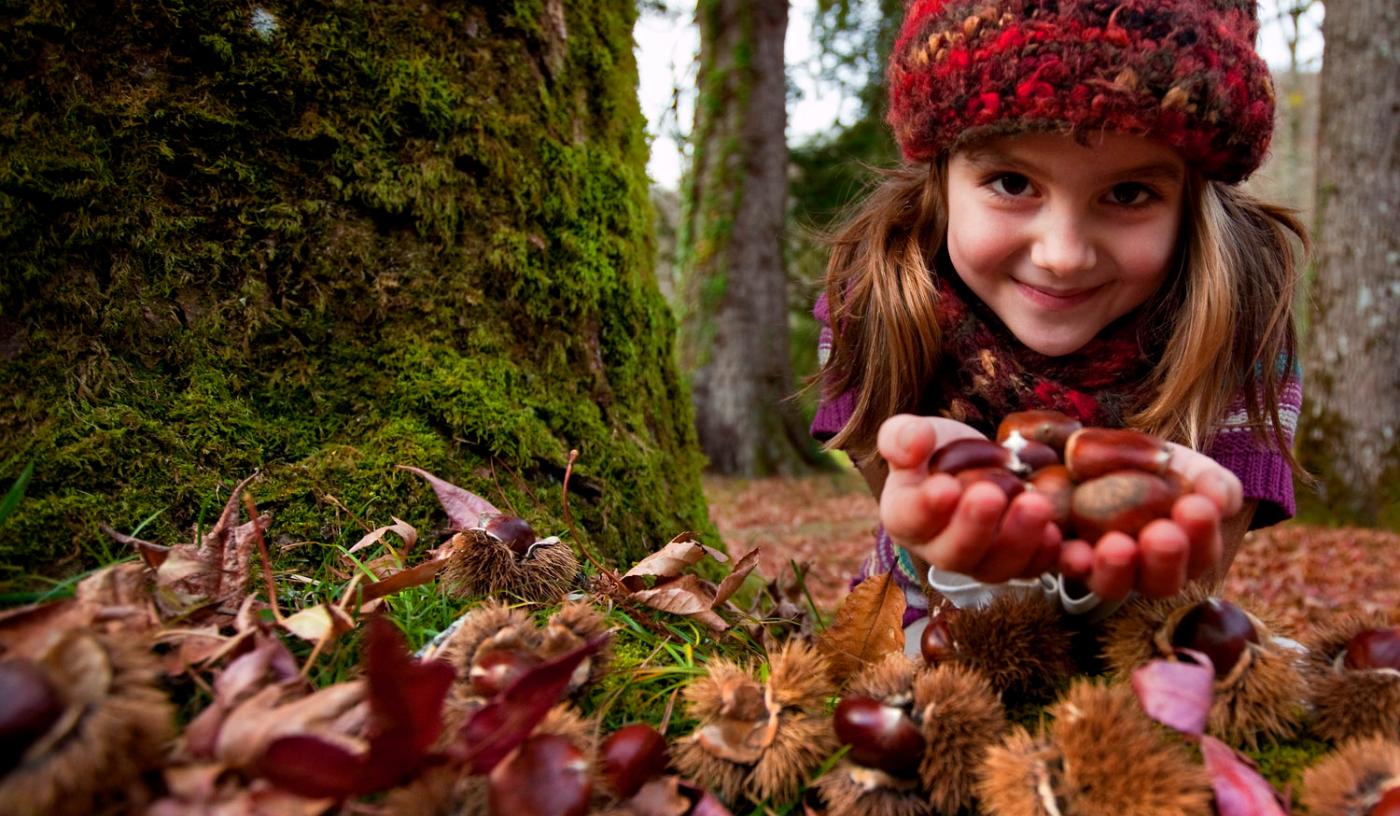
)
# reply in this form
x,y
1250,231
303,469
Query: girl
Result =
x,y
1065,233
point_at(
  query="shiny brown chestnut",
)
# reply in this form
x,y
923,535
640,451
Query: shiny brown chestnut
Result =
x,y
1217,628
1389,803
495,670
1125,502
1049,427
1031,455
1053,483
965,454
1009,482
880,736
545,776
1374,649
936,642
631,756
1092,452
29,706
513,531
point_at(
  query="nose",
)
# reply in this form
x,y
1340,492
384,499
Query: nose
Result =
x,y
1064,244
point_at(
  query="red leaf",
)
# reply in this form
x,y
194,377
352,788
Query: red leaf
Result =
x,y
1175,694
497,728
405,694
464,508
1239,789
311,766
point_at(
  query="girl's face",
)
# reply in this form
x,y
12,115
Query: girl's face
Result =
x,y
1059,239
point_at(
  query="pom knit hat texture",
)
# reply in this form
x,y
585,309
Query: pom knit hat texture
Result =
x,y
1181,71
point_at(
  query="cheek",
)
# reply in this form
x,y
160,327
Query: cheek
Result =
x,y
978,242
1147,254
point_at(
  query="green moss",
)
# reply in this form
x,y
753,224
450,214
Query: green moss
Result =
x,y
1283,764
381,234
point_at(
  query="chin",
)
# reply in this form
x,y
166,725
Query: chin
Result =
x,y
1053,346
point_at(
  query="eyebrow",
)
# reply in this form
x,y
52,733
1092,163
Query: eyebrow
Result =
x,y
990,157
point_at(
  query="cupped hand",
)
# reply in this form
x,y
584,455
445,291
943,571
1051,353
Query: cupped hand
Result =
x,y
973,531
1168,552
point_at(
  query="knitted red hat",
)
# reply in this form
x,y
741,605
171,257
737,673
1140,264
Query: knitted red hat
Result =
x,y
1182,71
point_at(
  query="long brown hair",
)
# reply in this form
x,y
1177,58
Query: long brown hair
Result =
x,y
1230,312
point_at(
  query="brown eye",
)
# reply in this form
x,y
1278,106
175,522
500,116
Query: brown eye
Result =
x,y
1129,194
1012,184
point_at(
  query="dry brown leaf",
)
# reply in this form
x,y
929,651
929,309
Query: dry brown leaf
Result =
x,y
735,578
681,553
869,625
335,713
314,623
685,595
401,528
403,579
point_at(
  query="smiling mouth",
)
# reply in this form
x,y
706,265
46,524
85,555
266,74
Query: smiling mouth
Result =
x,y
1051,299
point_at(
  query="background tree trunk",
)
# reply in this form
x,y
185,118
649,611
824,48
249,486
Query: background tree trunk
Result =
x,y
1352,421
735,328
321,241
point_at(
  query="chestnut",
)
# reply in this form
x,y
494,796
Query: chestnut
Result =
x,y
1217,628
965,454
880,736
1009,482
1049,427
29,706
495,670
1091,452
545,776
631,756
1054,483
1374,649
513,531
936,642
1028,455
1124,501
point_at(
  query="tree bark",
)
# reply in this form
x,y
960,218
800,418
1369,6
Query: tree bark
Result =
x,y
1352,419
318,240
735,327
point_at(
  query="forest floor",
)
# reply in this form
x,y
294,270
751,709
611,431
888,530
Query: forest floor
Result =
x,y
1299,574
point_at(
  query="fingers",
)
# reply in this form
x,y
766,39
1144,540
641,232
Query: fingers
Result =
x,y
1163,551
1115,567
1018,540
907,441
961,546
1199,521
1077,560
1208,478
918,509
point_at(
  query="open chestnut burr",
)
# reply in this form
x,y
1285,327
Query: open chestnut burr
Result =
x,y
504,556
1259,691
1353,674
1361,777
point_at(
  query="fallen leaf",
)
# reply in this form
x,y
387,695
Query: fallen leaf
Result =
x,y
403,529
1176,694
673,796
403,579
868,626
252,727
685,595
322,621
464,508
735,578
1239,789
672,560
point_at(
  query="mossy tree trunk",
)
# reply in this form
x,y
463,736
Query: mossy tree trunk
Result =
x,y
734,333
1352,421
318,240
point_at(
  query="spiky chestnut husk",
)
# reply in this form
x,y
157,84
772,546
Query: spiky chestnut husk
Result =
x,y
1019,644
1348,703
854,790
961,718
758,740
1101,756
1261,698
490,627
574,624
1352,779
116,725
480,565
891,681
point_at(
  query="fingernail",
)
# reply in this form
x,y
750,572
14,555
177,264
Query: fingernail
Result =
x,y
908,433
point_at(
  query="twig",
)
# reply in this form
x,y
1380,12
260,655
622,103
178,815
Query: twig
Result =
x,y
573,532
262,554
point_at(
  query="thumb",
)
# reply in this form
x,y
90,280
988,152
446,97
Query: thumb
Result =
x,y
907,441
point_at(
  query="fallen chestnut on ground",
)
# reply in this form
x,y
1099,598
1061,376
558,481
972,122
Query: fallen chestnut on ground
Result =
x,y
1218,629
880,736
545,776
495,670
631,756
1374,649
29,706
936,641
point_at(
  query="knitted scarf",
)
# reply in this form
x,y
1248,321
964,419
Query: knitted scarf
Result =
x,y
985,373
